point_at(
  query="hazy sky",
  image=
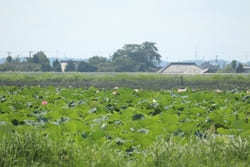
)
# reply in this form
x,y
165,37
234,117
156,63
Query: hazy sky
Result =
x,y
84,28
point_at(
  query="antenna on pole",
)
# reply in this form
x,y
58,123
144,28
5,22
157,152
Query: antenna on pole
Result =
x,y
203,58
216,59
9,53
195,53
57,53
30,53
247,56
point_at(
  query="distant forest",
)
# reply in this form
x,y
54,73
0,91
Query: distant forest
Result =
x,y
130,58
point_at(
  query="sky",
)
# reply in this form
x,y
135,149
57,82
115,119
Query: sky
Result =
x,y
182,29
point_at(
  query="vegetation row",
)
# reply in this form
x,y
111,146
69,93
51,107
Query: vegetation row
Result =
x,y
55,126
130,80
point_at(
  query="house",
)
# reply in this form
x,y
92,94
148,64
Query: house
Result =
x,y
63,66
246,69
65,63
182,68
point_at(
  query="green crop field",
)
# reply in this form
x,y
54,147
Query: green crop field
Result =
x,y
62,126
151,81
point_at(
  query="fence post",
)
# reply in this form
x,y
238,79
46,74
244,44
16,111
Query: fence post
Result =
x,y
181,81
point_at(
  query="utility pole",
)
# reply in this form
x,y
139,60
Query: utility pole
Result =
x,y
195,53
217,56
9,53
56,53
203,59
1,54
216,59
247,57
30,54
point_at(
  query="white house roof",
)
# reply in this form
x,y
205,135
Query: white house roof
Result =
x,y
182,68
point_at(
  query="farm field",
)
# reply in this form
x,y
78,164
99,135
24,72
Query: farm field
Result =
x,y
66,126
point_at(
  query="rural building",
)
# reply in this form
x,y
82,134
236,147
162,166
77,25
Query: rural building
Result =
x,y
182,68
65,63
63,66
246,69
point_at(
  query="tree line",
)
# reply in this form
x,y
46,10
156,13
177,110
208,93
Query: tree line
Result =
x,y
38,62
233,67
130,58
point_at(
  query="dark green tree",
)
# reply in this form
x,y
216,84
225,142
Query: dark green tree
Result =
x,y
102,64
57,66
16,60
71,66
234,65
86,67
9,59
20,66
106,67
137,57
239,68
126,64
97,60
211,68
40,58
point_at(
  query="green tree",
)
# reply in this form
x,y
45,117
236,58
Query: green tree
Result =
x,y
234,65
227,69
40,58
57,66
239,68
211,68
20,66
71,66
106,67
86,67
9,59
126,64
97,60
137,57
102,64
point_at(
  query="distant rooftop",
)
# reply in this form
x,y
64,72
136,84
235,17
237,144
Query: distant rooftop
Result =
x,y
182,68
182,63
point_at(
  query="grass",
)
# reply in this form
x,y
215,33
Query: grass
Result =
x,y
33,149
131,80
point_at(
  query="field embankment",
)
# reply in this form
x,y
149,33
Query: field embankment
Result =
x,y
129,80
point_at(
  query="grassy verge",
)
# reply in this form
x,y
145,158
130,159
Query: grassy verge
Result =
x,y
131,80
33,149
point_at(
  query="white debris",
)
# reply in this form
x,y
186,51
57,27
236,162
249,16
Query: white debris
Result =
x,y
136,90
182,90
218,91
116,88
154,101
115,93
